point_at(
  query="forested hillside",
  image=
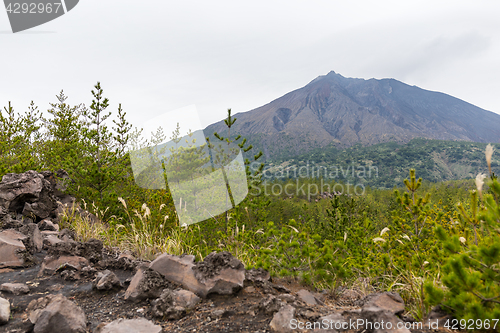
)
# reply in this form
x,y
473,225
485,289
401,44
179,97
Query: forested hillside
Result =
x,y
385,165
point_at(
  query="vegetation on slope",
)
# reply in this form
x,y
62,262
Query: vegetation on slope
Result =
x,y
449,230
433,160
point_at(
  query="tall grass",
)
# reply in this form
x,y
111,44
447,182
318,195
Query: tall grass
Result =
x,y
147,237
85,225
140,234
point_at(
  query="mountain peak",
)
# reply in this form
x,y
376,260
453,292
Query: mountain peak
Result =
x,y
330,75
346,111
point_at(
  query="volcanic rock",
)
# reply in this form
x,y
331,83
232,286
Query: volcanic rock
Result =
x,y
12,249
4,311
282,319
129,326
56,314
15,288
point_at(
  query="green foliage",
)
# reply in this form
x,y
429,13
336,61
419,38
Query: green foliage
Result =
x,y
98,161
347,224
63,133
471,275
20,140
387,164
183,170
225,151
413,225
292,251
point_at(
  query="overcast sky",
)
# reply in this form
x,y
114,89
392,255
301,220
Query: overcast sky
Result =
x,y
159,56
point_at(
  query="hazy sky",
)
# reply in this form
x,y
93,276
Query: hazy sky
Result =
x,y
159,56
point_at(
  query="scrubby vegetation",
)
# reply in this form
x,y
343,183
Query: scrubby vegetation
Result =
x,y
433,160
435,243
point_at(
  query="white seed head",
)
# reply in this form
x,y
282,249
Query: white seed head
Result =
x,y
384,231
480,182
462,240
379,239
489,153
123,202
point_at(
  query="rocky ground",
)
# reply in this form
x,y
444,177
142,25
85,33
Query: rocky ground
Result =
x,y
51,283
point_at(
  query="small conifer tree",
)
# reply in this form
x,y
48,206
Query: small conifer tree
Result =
x,y
20,139
100,161
63,132
471,274
225,151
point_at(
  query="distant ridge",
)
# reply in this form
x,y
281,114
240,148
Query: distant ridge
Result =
x,y
332,109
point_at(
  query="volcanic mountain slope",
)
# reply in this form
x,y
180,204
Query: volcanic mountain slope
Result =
x,y
345,111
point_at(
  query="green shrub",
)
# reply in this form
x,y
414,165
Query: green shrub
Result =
x,y
471,273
